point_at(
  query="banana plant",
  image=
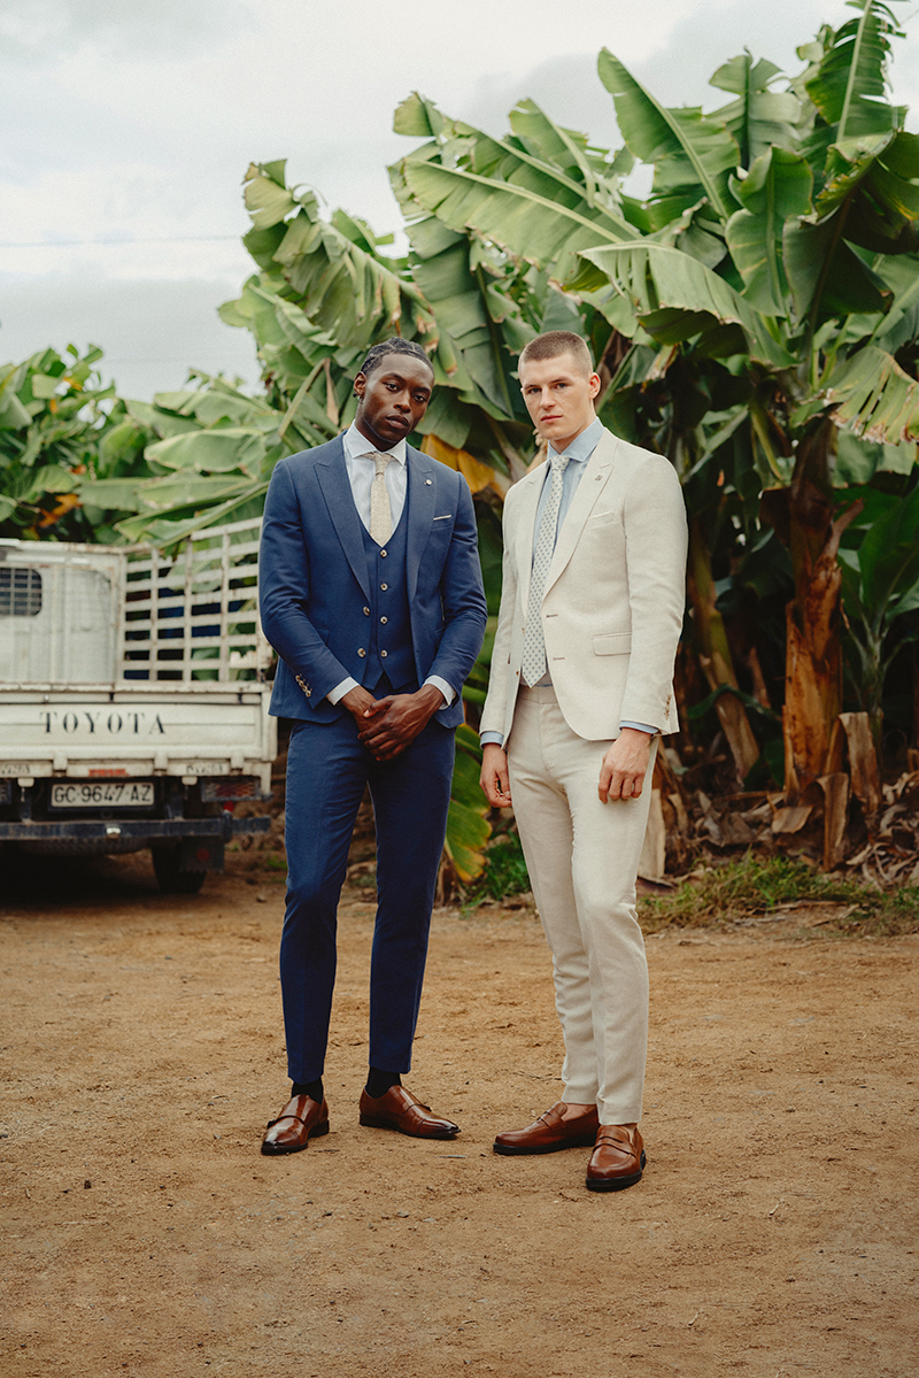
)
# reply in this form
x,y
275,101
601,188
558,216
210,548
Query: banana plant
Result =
x,y
55,428
880,585
767,289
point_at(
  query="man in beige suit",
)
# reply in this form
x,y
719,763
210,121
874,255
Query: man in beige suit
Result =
x,y
581,689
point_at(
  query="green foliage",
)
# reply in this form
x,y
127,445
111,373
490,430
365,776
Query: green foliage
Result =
x,y
726,894
57,427
505,871
467,827
880,564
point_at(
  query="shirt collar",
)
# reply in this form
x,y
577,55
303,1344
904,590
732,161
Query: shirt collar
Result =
x,y
357,445
583,445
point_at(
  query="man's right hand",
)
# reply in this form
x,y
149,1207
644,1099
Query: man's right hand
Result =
x,y
357,701
494,778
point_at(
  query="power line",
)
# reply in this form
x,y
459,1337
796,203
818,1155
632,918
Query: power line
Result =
x,y
104,243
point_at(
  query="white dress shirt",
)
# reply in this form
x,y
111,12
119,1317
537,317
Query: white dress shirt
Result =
x,y
360,461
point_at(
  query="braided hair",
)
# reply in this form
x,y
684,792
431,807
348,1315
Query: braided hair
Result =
x,y
394,346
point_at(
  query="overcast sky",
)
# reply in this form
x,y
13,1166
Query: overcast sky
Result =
x,y
128,125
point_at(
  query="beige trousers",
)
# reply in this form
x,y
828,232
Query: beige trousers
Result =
x,y
582,858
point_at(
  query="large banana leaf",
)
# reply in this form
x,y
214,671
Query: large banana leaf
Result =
x,y
901,324
828,279
352,288
875,181
876,397
676,298
223,451
540,210
467,828
693,155
850,86
777,189
759,119
888,558
858,460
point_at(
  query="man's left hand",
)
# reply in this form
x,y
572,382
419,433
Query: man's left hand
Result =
x,y
625,765
396,720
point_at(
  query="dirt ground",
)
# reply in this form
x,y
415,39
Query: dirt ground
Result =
x,y
774,1232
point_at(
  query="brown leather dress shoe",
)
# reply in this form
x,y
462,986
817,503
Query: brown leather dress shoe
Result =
x,y
301,1119
550,1133
398,1109
618,1159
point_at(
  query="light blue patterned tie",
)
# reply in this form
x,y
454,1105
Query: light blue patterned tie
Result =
x,y
533,662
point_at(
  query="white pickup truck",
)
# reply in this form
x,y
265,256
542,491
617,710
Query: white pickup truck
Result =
x,y
133,699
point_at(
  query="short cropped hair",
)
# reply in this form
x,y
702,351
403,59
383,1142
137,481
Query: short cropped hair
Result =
x,y
552,344
394,346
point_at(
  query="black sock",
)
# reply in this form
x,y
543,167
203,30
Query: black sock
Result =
x,y
313,1089
379,1082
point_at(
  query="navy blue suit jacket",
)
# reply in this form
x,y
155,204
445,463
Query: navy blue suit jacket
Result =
x,y
313,579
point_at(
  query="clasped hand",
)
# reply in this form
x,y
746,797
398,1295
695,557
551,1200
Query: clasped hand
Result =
x,y
387,726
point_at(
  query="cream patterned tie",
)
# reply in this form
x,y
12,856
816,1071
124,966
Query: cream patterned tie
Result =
x,y
533,662
380,510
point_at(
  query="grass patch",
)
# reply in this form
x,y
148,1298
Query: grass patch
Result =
x,y
754,885
505,872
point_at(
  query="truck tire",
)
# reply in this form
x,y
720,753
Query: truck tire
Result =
x,y
171,880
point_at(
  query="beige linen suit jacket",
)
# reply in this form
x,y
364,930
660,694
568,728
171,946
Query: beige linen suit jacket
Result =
x,y
612,609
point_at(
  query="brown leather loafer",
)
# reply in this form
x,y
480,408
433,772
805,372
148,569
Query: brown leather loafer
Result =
x,y
618,1159
301,1119
398,1109
550,1133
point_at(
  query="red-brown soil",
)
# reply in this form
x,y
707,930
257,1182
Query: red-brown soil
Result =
x,y
774,1233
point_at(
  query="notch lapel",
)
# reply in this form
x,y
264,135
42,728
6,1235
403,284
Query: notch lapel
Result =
x,y
420,496
525,537
332,474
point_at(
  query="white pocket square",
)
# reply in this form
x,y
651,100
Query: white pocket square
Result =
x,y
444,518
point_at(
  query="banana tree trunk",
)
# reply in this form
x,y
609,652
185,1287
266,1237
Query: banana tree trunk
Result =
x,y
813,659
715,654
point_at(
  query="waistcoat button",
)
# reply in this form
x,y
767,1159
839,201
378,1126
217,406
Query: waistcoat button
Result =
x,y
361,651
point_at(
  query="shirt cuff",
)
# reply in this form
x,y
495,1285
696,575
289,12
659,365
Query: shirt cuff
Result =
x,y
639,727
492,739
338,693
447,690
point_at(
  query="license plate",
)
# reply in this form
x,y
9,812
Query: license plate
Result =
x,y
108,794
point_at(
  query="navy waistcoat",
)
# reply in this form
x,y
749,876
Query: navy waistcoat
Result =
x,y
389,640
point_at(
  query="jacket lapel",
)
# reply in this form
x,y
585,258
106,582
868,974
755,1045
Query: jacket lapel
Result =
x,y
588,490
525,538
332,474
420,497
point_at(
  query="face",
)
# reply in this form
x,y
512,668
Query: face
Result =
x,y
559,395
393,399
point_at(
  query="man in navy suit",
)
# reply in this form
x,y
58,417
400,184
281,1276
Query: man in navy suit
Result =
x,y
371,593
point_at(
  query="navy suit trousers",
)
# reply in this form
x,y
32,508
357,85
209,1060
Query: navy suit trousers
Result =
x,y
327,771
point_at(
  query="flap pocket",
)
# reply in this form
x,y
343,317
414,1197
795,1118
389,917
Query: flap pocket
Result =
x,y
613,644
603,519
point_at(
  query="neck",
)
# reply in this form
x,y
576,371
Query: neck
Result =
x,y
369,434
559,446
